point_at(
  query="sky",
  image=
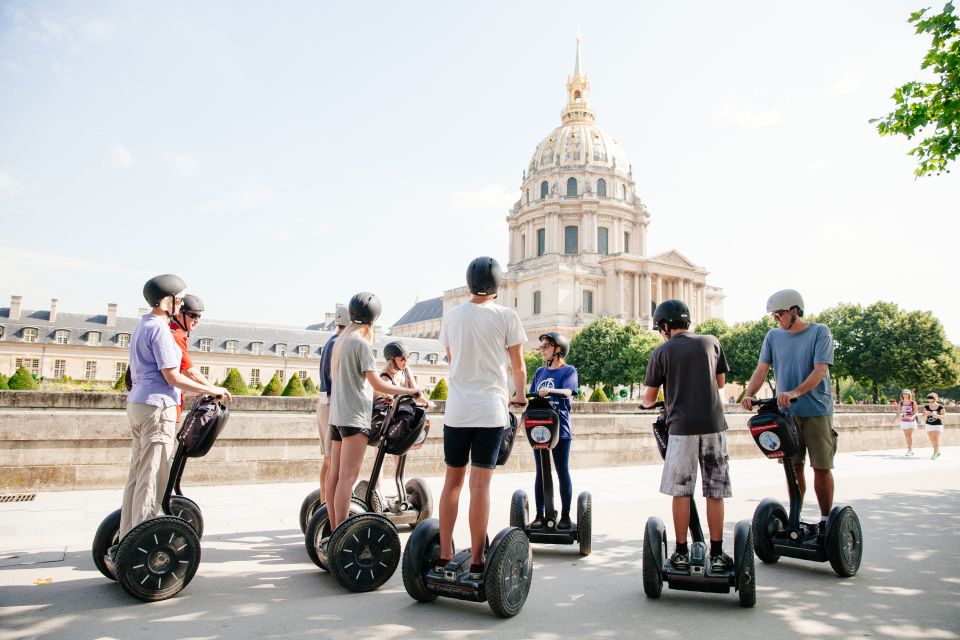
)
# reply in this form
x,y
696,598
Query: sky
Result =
x,y
281,156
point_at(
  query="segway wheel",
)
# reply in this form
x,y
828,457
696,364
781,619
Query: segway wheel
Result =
x,y
519,509
309,506
420,554
158,558
585,523
186,509
509,574
360,493
769,518
845,543
747,575
107,535
364,552
318,528
420,497
654,554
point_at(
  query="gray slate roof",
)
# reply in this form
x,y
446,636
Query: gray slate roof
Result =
x,y
424,310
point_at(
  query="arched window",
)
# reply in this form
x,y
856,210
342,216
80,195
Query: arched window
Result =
x,y
623,190
528,196
571,186
603,241
577,96
541,242
571,239
543,189
523,246
536,303
601,187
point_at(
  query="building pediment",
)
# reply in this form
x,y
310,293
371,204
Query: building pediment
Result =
x,y
675,258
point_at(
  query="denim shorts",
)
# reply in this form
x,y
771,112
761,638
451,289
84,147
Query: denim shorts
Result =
x,y
684,454
478,445
337,434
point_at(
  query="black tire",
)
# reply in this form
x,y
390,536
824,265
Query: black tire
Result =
x,y
364,552
360,493
309,506
420,497
519,509
318,528
107,535
654,554
769,518
158,558
585,523
421,553
186,509
845,543
747,575
509,574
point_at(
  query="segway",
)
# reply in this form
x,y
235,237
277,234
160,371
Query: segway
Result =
x,y
363,552
508,570
160,556
542,426
777,533
699,575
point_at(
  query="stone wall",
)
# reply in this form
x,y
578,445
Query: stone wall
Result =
x,y
68,441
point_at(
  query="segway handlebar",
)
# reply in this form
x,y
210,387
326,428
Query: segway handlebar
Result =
x,y
767,403
656,405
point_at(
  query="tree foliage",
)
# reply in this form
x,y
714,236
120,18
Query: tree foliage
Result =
x,y
924,105
3,381
234,383
715,327
598,395
636,345
593,349
273,388
311,387
440,391
22,380
294,387
742,345
531,358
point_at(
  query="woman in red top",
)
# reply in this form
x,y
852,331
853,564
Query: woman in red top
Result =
x,y
907,417
181,325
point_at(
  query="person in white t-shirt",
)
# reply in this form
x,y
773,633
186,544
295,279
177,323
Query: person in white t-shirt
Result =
x,y
481,338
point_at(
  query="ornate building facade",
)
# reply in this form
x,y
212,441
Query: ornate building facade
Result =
x,y
578,239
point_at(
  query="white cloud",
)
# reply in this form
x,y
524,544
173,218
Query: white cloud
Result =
x,y
97,29
848,83
9,186
245,199
745,116
14,261
186,164
120,157
494,196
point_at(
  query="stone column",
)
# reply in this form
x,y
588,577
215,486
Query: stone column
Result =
x,y
621,293
644,296
636,296
660,297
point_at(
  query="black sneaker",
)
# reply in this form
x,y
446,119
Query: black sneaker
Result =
x,y
537,523
441,565
720,563
564,523
680,561
821,533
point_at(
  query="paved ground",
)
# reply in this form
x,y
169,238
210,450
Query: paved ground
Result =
x,y
255,580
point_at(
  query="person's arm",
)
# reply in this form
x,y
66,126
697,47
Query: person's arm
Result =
x,y
449,357
721,380
650,397
387,388
196,376
820,371
756,381
519,368
174,377
899,411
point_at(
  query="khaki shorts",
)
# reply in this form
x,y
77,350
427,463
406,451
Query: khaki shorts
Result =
x,y
817,436
323,423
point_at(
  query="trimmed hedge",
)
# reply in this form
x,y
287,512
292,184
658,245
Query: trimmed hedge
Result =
x,y
310,387
234,383
273,388
3,381
294,388
22,380
440,391
598,396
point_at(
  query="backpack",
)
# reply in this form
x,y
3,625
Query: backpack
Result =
x,y
507,440
202,425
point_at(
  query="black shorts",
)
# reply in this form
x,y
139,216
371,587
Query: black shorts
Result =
x,y
478,445
337,434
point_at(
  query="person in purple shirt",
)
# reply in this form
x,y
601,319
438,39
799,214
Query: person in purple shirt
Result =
x,y
153,400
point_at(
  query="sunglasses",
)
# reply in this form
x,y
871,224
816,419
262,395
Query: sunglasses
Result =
x,y
190,314
776,314
931,397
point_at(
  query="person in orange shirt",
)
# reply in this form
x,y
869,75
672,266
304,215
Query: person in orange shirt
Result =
x,y
182,324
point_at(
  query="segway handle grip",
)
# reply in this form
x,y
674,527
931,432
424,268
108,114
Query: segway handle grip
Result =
x,y
656,405
756,402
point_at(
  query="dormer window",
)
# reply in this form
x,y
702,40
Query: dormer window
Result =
x,y
3,330
414,358
123,340
61,336
256,348
303,350
93,337
281,350
432,358
30,334
206,345
231,346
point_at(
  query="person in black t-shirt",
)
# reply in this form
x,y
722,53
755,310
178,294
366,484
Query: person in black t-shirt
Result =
x,y
691,368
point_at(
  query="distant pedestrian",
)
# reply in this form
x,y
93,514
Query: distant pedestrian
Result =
x,y
933,417
907,413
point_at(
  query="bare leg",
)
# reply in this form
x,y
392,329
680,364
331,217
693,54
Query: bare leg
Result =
x,y
823,487
351,457
479,511
449,505
324,471
332,476
681,517
715,518
934,441
801,480
908,435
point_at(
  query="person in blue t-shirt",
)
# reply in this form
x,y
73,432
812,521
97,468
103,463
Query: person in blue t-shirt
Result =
x,y
557,381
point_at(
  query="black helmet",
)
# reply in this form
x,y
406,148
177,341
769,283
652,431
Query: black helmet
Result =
x,y
562,342
191,303
483,276
393,350
159,287
672,312
364,308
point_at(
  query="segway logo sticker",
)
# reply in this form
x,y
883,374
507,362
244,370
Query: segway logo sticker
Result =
x,y
540,435
769,441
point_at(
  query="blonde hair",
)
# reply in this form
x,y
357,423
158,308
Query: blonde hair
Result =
x,y
365,332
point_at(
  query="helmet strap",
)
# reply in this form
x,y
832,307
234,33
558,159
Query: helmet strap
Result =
x,y
183,325
793,318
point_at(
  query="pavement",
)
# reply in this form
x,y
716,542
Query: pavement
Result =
x,y
255,580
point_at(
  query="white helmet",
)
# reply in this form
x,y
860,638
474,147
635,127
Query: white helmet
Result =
x,y
784,300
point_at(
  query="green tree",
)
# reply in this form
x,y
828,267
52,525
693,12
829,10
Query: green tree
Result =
x,y
3,381
593,350
742,348
925,358
294,387
233,382
635,347
715,327
922,105
845,322
440,391
273,388
875,358
311,387
598,395
120,384
21,380
531,358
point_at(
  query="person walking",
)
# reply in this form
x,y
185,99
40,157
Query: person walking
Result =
x,y
933,413
907,415
323,402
